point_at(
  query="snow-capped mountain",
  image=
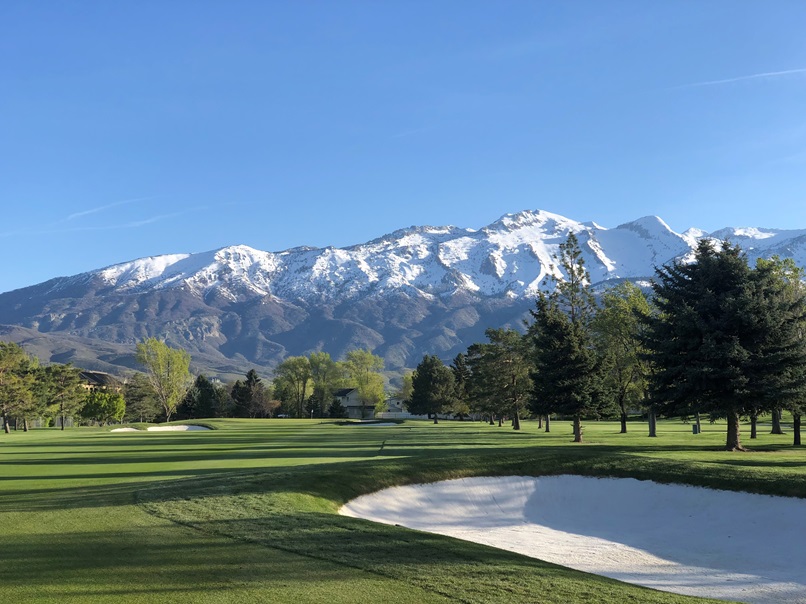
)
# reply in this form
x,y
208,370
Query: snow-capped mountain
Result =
x,y
510,257
416,290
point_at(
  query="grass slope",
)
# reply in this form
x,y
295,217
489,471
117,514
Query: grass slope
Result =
x,y
247,512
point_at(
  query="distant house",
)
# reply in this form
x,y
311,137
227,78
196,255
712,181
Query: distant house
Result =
x,y
348,397
395,409
394,404
100,381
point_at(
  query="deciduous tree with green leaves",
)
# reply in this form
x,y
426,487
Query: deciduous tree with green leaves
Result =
x,y
168,372
16,381
617,334
66,393
103,406
293,377
363,369
327,376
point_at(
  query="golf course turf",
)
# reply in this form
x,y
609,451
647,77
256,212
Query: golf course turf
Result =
x,y
247,512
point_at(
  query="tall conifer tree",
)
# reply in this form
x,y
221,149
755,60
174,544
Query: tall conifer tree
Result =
x,y
567,374
725,339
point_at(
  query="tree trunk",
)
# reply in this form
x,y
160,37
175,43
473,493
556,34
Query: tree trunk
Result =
x,y
492,419
539,421
623,408
753,426
25,425
653,423
796,429
776,422
577,429
500,421
62,421
697,419
516,421
436,418
6,429
733,441
548,423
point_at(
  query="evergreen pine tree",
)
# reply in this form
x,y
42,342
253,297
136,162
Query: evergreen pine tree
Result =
x,y
725,340
567,374
433,388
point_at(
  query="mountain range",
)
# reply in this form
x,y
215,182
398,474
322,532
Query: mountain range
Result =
x,y
414,291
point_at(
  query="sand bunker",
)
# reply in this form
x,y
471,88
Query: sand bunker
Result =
x,y
162,429
176,428
377,424
687,540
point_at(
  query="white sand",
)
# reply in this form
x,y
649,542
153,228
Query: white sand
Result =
x,y
379,424
177,428
124,430
687,540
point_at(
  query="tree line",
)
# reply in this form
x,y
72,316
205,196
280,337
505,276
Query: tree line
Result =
x,y
715,336
30,392
303,386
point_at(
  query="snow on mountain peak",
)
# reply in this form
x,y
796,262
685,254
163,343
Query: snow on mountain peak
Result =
x,y
536,218
733,233
649,227
510,257
135,272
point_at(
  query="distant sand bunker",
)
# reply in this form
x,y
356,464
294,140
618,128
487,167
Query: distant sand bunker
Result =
x,y
175,428
376,424
162,429
687,540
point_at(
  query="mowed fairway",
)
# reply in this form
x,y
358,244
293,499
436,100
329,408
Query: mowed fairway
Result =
x,y
247,512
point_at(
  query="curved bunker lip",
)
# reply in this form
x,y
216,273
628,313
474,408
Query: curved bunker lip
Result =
x,y
375,424
682,539
175,428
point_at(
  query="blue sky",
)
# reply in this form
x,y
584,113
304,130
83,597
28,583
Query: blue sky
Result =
x,y
131,129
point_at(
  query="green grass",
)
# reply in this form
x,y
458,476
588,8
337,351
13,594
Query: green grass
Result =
x,y
247,512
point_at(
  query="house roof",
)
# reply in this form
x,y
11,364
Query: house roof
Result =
x,y
99,379
343,391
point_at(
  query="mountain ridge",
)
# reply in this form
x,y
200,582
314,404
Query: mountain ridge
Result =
x,y
417,290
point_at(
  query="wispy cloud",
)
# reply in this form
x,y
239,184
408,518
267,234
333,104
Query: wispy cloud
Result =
x,y
55,230
153,219
107,207
756,76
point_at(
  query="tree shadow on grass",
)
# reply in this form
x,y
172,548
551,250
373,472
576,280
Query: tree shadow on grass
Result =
x,y
461,570
180,456
153,561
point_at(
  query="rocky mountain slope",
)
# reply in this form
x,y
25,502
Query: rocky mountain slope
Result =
x,y
417,290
